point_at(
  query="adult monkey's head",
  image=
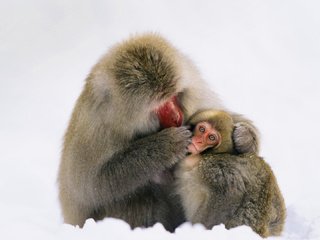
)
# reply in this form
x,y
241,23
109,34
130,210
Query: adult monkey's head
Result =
x,y
150,75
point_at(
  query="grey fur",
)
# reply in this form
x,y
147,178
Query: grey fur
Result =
x,y
243,191
217,186
113,146
245,135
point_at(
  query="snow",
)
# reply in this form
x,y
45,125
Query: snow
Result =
x,y
262,57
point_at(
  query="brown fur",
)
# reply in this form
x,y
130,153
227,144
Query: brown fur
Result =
x,y
222,122
220,187
113,147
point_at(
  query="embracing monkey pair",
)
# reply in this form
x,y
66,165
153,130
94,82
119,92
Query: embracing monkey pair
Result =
x,y
127,129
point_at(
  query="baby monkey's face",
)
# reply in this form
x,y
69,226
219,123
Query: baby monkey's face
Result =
x,y
204,136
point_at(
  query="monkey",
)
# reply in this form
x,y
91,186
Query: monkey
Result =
x,y
128,126
218,186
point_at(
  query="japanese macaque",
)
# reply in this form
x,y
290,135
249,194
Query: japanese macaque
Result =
x,y
218,186
126,128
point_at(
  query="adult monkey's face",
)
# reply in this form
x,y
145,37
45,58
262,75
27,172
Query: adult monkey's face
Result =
x,y
170,113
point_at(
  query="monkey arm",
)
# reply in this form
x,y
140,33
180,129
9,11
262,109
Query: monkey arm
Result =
x,y
137,164
245,135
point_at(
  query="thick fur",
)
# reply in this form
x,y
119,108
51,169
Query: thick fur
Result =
x,y
113,147
218,186
243,190
234,190
245,135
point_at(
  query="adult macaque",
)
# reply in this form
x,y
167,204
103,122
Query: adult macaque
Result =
x,y
126,129
218,186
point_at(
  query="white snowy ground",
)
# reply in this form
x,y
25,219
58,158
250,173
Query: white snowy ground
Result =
x,y
262,57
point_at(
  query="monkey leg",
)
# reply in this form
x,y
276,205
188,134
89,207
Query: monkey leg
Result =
x,y
254,209
277,212
144,208
247,214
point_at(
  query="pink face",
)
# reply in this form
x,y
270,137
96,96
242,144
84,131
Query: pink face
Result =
x,y
205,136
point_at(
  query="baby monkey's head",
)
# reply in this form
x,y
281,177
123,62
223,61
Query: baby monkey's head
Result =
x,y
212,129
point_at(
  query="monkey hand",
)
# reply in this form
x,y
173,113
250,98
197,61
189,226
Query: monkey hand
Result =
x,y
245,138
175,142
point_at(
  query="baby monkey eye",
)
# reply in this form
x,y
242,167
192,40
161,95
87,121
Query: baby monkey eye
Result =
x,y
212,137
202,129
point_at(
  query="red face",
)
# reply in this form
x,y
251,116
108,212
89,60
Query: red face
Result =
x,y
205,136
170,114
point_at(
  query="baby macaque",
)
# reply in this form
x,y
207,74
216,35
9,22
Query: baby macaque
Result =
x,y
216,185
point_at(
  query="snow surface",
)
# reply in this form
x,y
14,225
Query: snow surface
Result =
x,y
262,57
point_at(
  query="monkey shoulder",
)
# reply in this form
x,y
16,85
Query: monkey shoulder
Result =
x,y
258,167
230,173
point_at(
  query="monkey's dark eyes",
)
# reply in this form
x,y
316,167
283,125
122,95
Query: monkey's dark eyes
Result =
x,y
212,137
202,129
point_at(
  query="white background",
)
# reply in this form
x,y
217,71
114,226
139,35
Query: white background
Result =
x,y
262,57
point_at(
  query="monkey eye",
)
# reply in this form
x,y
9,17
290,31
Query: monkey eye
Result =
x,y
202,129
212,137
